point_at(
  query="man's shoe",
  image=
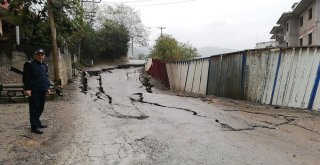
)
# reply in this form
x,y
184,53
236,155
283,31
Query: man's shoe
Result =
x,y
36,130
43,126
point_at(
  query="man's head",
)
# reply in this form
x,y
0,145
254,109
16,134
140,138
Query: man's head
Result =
x,y
39,55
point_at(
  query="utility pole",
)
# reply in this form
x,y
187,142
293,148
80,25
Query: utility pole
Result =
x,y
57,79
161,28
132,46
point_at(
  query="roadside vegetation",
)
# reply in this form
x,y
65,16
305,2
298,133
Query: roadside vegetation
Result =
x,y
168,49
97,32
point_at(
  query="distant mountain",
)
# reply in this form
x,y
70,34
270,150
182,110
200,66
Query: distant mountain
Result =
x,y
138,50
210,51
203,51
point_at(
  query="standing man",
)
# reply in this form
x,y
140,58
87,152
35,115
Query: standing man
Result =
x,y
36,85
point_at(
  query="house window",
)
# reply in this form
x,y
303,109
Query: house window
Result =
x,y
310,14
287,44
287,26
301,21
310,39
301,41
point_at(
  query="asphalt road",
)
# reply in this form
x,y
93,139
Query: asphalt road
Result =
x,y
114,119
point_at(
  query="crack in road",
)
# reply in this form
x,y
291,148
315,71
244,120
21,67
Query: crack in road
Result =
x,y
160,105
84,83
145,81
306,128
252,127
117,115
102,91
289,119
257,113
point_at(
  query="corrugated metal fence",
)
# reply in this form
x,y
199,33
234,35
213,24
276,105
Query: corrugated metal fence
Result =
x,y
225,76
285,77
158,70
189,77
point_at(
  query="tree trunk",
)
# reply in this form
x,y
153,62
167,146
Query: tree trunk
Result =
x,y
57,79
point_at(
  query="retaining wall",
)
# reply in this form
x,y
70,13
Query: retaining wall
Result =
x,y
18,58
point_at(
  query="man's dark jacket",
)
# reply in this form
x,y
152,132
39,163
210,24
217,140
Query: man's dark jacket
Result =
x,y
35,76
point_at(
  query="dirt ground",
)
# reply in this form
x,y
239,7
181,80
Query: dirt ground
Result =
x,y
20,146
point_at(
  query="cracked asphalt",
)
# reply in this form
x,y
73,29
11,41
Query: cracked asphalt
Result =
x,y
116,116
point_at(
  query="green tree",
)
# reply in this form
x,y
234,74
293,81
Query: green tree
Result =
x,y
110,41
169,49
32,17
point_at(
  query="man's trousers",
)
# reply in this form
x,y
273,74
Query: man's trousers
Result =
x,y
36,106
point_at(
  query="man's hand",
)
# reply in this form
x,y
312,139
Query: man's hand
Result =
x,y
27,92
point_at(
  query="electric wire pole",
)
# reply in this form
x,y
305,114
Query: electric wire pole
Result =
x,y
161,28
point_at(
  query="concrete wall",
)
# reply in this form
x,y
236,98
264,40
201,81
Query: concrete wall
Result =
x,y
296,79
225,75
204,77
316,102
148,64
183,75
190,77
287,77
261,67
317,34
293,32
17,60
309,26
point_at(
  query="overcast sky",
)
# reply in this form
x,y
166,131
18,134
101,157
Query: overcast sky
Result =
x,y
236,24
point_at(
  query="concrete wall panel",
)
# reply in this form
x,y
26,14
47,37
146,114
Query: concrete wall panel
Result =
x,y
197,77
261,70
297,74
175,76
204,77
170,75
190,78
214,76
183,76
148,64
316,105
178,87
225,76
